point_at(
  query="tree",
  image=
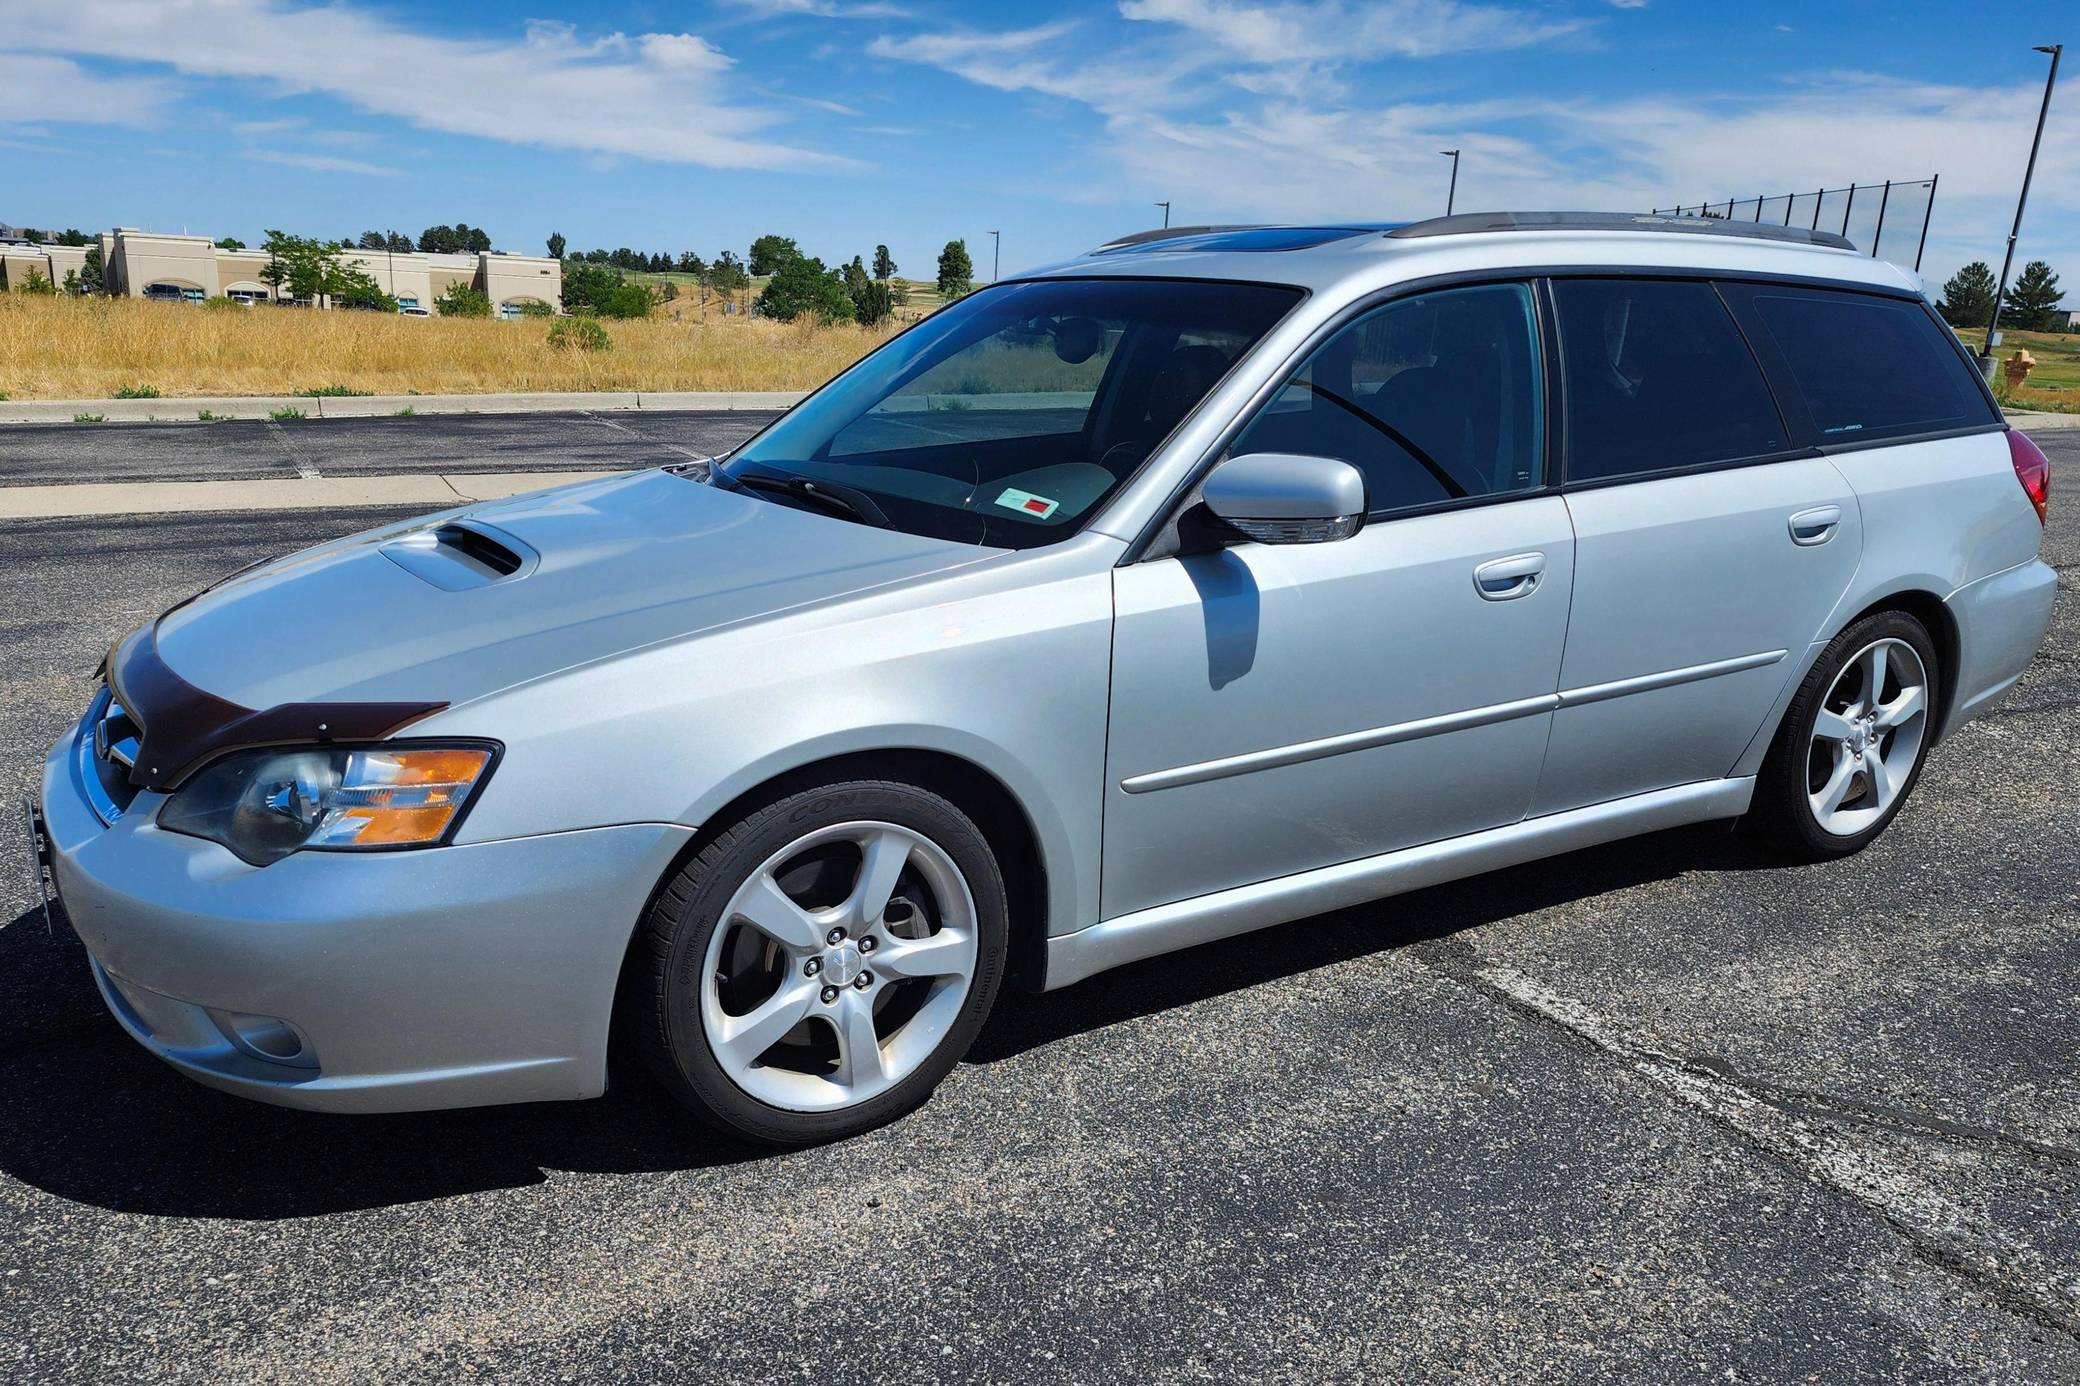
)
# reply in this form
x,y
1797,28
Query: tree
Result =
x,y
855,275
768,253
727,275
437,240
884,264
690,262
297,264
956,271
90,280
351,286
479,239
2033,307
556,244
872,303
71,284
589,288
36,286
373,240
1968,296
73,236
230,243
801,285
399,242
462,301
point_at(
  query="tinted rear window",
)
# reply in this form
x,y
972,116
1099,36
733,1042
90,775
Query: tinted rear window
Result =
x,y
1869,367
1658,377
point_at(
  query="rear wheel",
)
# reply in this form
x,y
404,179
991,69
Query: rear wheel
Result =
x,y
820,966
1852,742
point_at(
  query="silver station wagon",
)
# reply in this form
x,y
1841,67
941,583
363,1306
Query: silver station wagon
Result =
x,y
1214,579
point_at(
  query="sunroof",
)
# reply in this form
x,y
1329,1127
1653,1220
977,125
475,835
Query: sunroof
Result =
x,y
1253,238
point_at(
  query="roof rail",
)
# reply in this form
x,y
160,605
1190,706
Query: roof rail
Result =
x,y
1166,233
1471,223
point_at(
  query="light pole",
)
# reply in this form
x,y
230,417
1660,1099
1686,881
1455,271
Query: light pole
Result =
x,y
1452,193
1166,214
2029,170
996,254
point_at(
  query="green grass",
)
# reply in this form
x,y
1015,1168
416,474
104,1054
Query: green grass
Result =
x,y
208,416
404,413
137,392
292,412
2055,383
332,392
90,418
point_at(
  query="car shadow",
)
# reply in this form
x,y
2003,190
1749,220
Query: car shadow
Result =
x,y
1025,1021
90,1117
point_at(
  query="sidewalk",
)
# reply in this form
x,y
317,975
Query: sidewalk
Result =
x,y
430,492
184,410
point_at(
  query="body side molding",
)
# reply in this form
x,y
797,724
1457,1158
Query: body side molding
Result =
x,y
1204,918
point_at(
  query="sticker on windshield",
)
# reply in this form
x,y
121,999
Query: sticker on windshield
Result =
x,y
1026,503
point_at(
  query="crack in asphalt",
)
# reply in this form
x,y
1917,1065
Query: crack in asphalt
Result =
x,y
1941,1231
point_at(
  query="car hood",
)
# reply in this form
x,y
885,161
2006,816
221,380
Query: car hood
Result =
x,y
604,566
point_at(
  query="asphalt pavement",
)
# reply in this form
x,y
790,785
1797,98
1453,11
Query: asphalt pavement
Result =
x,y
262,449
1662,1111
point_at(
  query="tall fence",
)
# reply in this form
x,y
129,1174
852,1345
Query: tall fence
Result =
x,y
1888,220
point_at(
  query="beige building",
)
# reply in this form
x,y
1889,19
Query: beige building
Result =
x,y
49,262
143,264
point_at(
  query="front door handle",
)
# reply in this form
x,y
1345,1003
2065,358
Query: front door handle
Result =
x,y
1815,526
1506,579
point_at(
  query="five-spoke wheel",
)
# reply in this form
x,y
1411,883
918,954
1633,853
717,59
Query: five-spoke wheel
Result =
x,y
821,964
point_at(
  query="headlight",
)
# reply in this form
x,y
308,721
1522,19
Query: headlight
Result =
x,y
263,805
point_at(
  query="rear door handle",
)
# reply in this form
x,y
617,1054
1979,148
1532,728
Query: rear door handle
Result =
x,y
1506,579
1815,526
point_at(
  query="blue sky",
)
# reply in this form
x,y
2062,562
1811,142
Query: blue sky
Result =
x,y
670,126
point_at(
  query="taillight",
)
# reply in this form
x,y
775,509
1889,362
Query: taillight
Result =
x,y
2032,469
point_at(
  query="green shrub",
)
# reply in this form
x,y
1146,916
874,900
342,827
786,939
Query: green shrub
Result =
x,y
579,334
461,301
530,308
38,285
222,302
90,418
291,412
137,392
404,413
332,392
205,416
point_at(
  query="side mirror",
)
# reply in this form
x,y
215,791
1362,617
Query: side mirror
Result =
x,y
1283,498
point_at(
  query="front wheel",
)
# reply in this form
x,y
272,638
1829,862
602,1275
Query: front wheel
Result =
x,y
821,965
1852,743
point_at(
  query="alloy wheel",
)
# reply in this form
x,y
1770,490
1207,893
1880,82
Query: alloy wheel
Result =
x,y
1867,737
839,966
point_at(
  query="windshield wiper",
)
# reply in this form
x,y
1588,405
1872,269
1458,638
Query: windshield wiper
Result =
x,y
846,500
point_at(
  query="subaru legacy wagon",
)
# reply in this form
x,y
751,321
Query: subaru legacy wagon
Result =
x,y
1209,581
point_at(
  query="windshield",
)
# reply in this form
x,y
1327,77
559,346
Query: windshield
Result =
x,y
1009,417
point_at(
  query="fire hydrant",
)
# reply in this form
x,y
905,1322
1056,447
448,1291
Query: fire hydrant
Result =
x,y
2018,367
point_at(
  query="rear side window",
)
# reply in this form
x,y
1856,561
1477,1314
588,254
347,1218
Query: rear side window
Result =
x,y
1868,367
1658,377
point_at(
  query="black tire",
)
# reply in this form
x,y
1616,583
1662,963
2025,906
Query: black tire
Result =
x,y
1781,815
660,1011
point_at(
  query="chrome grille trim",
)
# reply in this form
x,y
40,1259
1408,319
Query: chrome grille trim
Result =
x,y
91,747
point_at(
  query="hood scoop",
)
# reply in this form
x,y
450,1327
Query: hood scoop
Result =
x,y
461,554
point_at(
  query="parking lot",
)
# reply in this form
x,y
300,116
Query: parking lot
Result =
x,y
1664,1110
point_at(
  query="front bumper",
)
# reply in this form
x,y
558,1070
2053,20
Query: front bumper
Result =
x,y
392,981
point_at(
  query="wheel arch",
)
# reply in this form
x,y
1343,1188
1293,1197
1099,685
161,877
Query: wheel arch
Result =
x,y
981,795
1935,616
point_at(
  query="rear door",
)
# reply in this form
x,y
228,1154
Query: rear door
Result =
x,y
1709,548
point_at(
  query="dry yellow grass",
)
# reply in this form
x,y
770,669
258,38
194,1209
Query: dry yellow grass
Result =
x,y
60,348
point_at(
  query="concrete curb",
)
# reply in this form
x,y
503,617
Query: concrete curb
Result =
x,y
429,492
377,406
2037,421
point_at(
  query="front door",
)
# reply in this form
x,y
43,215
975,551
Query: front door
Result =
x,y
1280,708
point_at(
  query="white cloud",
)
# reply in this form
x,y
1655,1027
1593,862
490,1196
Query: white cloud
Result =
x,y
58,89
320,163
822,9
1329,31
659,96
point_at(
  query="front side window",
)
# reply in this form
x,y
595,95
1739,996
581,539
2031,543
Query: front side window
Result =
x,y
1869,367
1009,417
1434,398
1658,378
